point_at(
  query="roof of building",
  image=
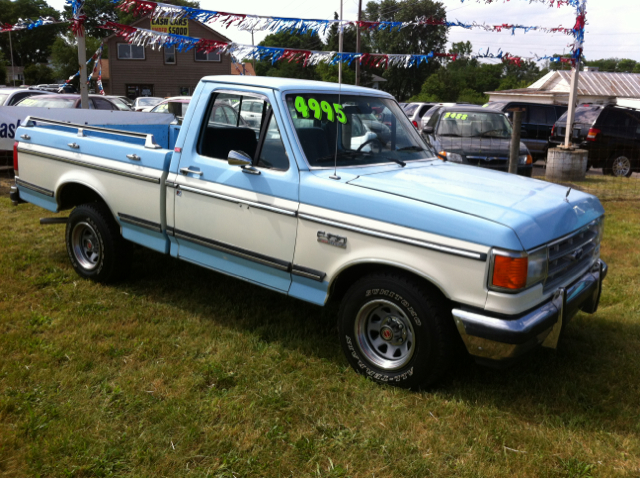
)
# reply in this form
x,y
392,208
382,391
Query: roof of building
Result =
x,y
622,85
282,84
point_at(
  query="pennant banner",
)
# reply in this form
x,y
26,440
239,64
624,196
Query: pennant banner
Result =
x,y
258,23
551,3
29,24
240,52
97,58
79,17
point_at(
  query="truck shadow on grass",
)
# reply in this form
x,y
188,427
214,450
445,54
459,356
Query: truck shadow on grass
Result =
x,y
591,382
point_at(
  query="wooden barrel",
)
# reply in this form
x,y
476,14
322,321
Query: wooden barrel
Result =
x,y
566,165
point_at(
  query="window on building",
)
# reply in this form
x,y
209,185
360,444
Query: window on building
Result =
x,y
170,55
207,57
127,51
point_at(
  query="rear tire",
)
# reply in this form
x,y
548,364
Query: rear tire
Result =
x,y
393,330
619,165
95,247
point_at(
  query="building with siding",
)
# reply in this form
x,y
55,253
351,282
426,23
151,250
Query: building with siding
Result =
x,y
138,71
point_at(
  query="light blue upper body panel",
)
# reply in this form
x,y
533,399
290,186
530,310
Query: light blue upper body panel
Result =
x,y
537,211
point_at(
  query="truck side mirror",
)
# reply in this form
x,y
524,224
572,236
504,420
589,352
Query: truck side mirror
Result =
x,y
241,159
427,130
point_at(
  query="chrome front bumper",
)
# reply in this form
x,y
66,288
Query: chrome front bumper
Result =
x,y
502,338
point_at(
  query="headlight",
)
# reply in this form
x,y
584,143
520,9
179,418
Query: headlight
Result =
x,y
525,159
454,157
515,271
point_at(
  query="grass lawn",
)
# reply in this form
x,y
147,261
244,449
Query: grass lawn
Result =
x,y
184,372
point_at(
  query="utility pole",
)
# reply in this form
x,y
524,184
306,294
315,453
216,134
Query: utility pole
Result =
x,y
358,42
340,46
82,62
573,100
13,70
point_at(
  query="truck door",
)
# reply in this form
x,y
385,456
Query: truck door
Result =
x,y
238,220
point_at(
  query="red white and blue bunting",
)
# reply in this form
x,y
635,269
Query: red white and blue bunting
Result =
x,y
259,23
97,58
29,24
551,3
79,17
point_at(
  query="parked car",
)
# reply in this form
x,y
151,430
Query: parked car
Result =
x,y
477,136
415,112
422,254
11,96
251,111
537,121
146,103
176,105
427,115
611,135
122,102
96,102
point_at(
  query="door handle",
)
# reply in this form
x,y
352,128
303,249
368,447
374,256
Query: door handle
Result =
x,y
25,137
186,171
75,146
133,156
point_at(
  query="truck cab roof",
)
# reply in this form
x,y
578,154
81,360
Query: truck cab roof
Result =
x,y
284,84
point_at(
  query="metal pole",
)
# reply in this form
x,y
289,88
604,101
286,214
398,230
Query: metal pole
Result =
x,y
340,46
82,62
573,100
254,58
515,142
358,42
13,70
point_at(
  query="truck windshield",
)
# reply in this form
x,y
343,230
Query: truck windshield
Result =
x,y
471,124
354,130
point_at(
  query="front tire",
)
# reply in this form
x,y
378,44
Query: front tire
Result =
x,y
95,247
395,331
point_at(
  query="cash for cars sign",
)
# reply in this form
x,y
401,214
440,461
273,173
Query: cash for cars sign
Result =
x,y
166,25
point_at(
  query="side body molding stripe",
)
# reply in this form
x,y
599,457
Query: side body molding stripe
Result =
x,y
400,239
106,169
31,186
140,222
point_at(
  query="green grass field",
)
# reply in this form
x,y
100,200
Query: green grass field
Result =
x,y
184,372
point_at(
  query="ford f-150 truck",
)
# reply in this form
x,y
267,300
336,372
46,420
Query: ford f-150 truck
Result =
x,y
310,202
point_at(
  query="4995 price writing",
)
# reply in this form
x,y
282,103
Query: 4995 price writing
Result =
x,y
305,108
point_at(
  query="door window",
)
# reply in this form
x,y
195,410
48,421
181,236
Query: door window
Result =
x,y
243,123
102,104
538,115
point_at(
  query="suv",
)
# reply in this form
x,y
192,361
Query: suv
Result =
x,y
610,134
415,112
537,121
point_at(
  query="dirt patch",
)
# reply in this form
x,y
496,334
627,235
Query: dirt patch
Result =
x,y
5,186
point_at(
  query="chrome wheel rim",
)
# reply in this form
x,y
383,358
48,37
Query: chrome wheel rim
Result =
x,y
85,244
384,334
621,166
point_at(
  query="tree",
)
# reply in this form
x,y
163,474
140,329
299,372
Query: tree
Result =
x,y
402,82
3,71
29,46
38,73
285,68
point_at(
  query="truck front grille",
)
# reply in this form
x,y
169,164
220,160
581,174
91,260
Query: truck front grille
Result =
x,y
572,254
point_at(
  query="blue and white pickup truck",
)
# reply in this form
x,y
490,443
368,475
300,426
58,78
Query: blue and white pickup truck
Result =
x,y
306,199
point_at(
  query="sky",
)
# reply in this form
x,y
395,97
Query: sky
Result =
x,y
611,31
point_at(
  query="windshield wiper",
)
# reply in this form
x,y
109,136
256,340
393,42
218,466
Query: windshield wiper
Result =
x,y
395,160
410,148
450,134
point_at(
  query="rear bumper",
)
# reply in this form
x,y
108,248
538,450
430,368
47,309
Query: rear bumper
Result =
x,y
14,195
499,339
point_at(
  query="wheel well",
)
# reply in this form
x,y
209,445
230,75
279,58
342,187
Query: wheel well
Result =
x,y
353,273
75,194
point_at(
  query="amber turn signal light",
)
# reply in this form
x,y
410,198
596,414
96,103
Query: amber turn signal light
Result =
x,y
510,273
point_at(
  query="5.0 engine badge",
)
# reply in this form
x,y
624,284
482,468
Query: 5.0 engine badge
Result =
x,y
333,240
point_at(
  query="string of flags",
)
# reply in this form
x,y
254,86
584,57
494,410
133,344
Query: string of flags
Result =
x,y
551,3
258,23
79,17
29,24
97,58
240,52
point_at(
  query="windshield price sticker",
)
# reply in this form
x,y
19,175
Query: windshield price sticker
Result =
x,y
456,116
305,108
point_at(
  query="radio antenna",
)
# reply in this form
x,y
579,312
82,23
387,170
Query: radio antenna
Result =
x,y
335,157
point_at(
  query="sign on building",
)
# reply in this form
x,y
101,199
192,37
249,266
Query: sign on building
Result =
x,y
166,25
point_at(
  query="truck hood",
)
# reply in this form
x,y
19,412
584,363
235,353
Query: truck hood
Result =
x,y
537,211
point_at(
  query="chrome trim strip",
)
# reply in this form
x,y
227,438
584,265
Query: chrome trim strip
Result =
x,y
140,222
400,239
308,272
91,166
170,184
37,189
234,250
233,199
